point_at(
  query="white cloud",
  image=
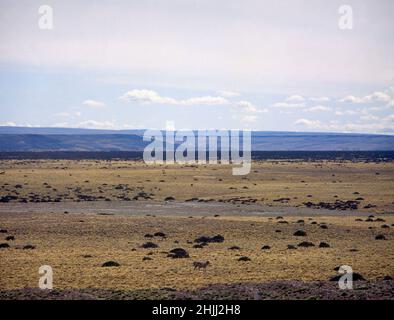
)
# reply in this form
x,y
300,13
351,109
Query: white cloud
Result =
x,y
146,96
249,107
93,124
352,99
93,104
60,125
149,96
308,123
207,100
386,106
380,126
14,124
295,98
373,109
377,96
369,118
368,127
318,109
289,105
319,99
8,124
346,112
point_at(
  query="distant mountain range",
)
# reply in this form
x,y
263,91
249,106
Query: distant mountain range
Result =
x,y
18,139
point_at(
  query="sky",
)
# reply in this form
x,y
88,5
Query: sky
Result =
x,y
199,64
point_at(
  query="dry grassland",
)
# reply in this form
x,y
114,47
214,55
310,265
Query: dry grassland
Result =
x,y
270,182
77,245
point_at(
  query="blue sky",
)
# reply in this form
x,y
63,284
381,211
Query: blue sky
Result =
x,y
262,65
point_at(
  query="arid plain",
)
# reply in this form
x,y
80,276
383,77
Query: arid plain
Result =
x,y
276,233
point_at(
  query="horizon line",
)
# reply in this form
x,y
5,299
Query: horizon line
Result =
x,y
186,129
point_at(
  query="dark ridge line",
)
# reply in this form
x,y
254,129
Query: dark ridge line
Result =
x,y
256,155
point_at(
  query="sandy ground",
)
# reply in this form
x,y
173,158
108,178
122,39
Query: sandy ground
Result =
x,y
173,208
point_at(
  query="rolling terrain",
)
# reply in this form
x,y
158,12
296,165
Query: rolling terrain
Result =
x,y
116,229
15,139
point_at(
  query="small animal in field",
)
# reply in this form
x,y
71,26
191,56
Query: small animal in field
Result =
x,y
200,264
